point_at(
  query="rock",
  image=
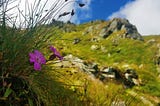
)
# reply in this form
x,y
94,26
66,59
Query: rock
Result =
x,y
151,41
94,47
136,81
104,33
93,68
103,49
74,64
76,40
131,78
88,30
141,66
95,39
118,24
109,72
157,60
132,73
71,62
111,76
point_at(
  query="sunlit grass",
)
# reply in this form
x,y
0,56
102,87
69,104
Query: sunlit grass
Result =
x,y
53,86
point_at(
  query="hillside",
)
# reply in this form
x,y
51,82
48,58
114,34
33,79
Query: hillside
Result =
x,y
103,63
98,56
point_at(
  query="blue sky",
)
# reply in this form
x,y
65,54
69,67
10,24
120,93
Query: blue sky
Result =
x,y
144,14
101,9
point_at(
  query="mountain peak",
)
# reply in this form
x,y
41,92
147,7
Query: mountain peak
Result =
x,y
117,24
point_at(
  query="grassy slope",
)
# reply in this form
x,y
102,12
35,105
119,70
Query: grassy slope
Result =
x,y
137,54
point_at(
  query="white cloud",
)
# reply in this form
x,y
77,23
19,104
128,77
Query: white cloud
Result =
x,y
24,5
145,14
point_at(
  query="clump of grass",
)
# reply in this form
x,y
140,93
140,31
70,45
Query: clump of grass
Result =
x,y
20,34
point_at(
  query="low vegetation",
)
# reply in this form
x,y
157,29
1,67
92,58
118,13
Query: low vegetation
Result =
x,y
29,75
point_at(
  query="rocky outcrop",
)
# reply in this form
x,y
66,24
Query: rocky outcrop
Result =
x,y
71,61
129,78
118,24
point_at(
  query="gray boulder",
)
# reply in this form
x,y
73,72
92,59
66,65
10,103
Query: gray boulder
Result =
x,y
71,61
118,24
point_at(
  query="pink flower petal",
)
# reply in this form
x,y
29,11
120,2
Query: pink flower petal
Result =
x,y
32,58
37,66
56,53
40,57
37,58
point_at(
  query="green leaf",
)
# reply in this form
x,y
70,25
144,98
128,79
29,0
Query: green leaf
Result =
x,y
30,102
8,92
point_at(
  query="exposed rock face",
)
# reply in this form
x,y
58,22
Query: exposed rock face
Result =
x,y
88,30
71,61
129,78
117,24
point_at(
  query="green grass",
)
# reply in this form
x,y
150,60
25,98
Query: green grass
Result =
x,y
126,51
61,87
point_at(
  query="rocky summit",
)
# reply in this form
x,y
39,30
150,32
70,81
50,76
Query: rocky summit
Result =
x,y
118,24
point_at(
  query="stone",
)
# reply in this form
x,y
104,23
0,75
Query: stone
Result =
x,y
76,40
112,76
94,47
131,78
103,49
104,33
95,39
118,24
109,72
157,60
141,66
136,81
75,63
88,30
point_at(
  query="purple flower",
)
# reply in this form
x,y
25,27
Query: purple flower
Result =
x,y
37,58
56,54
